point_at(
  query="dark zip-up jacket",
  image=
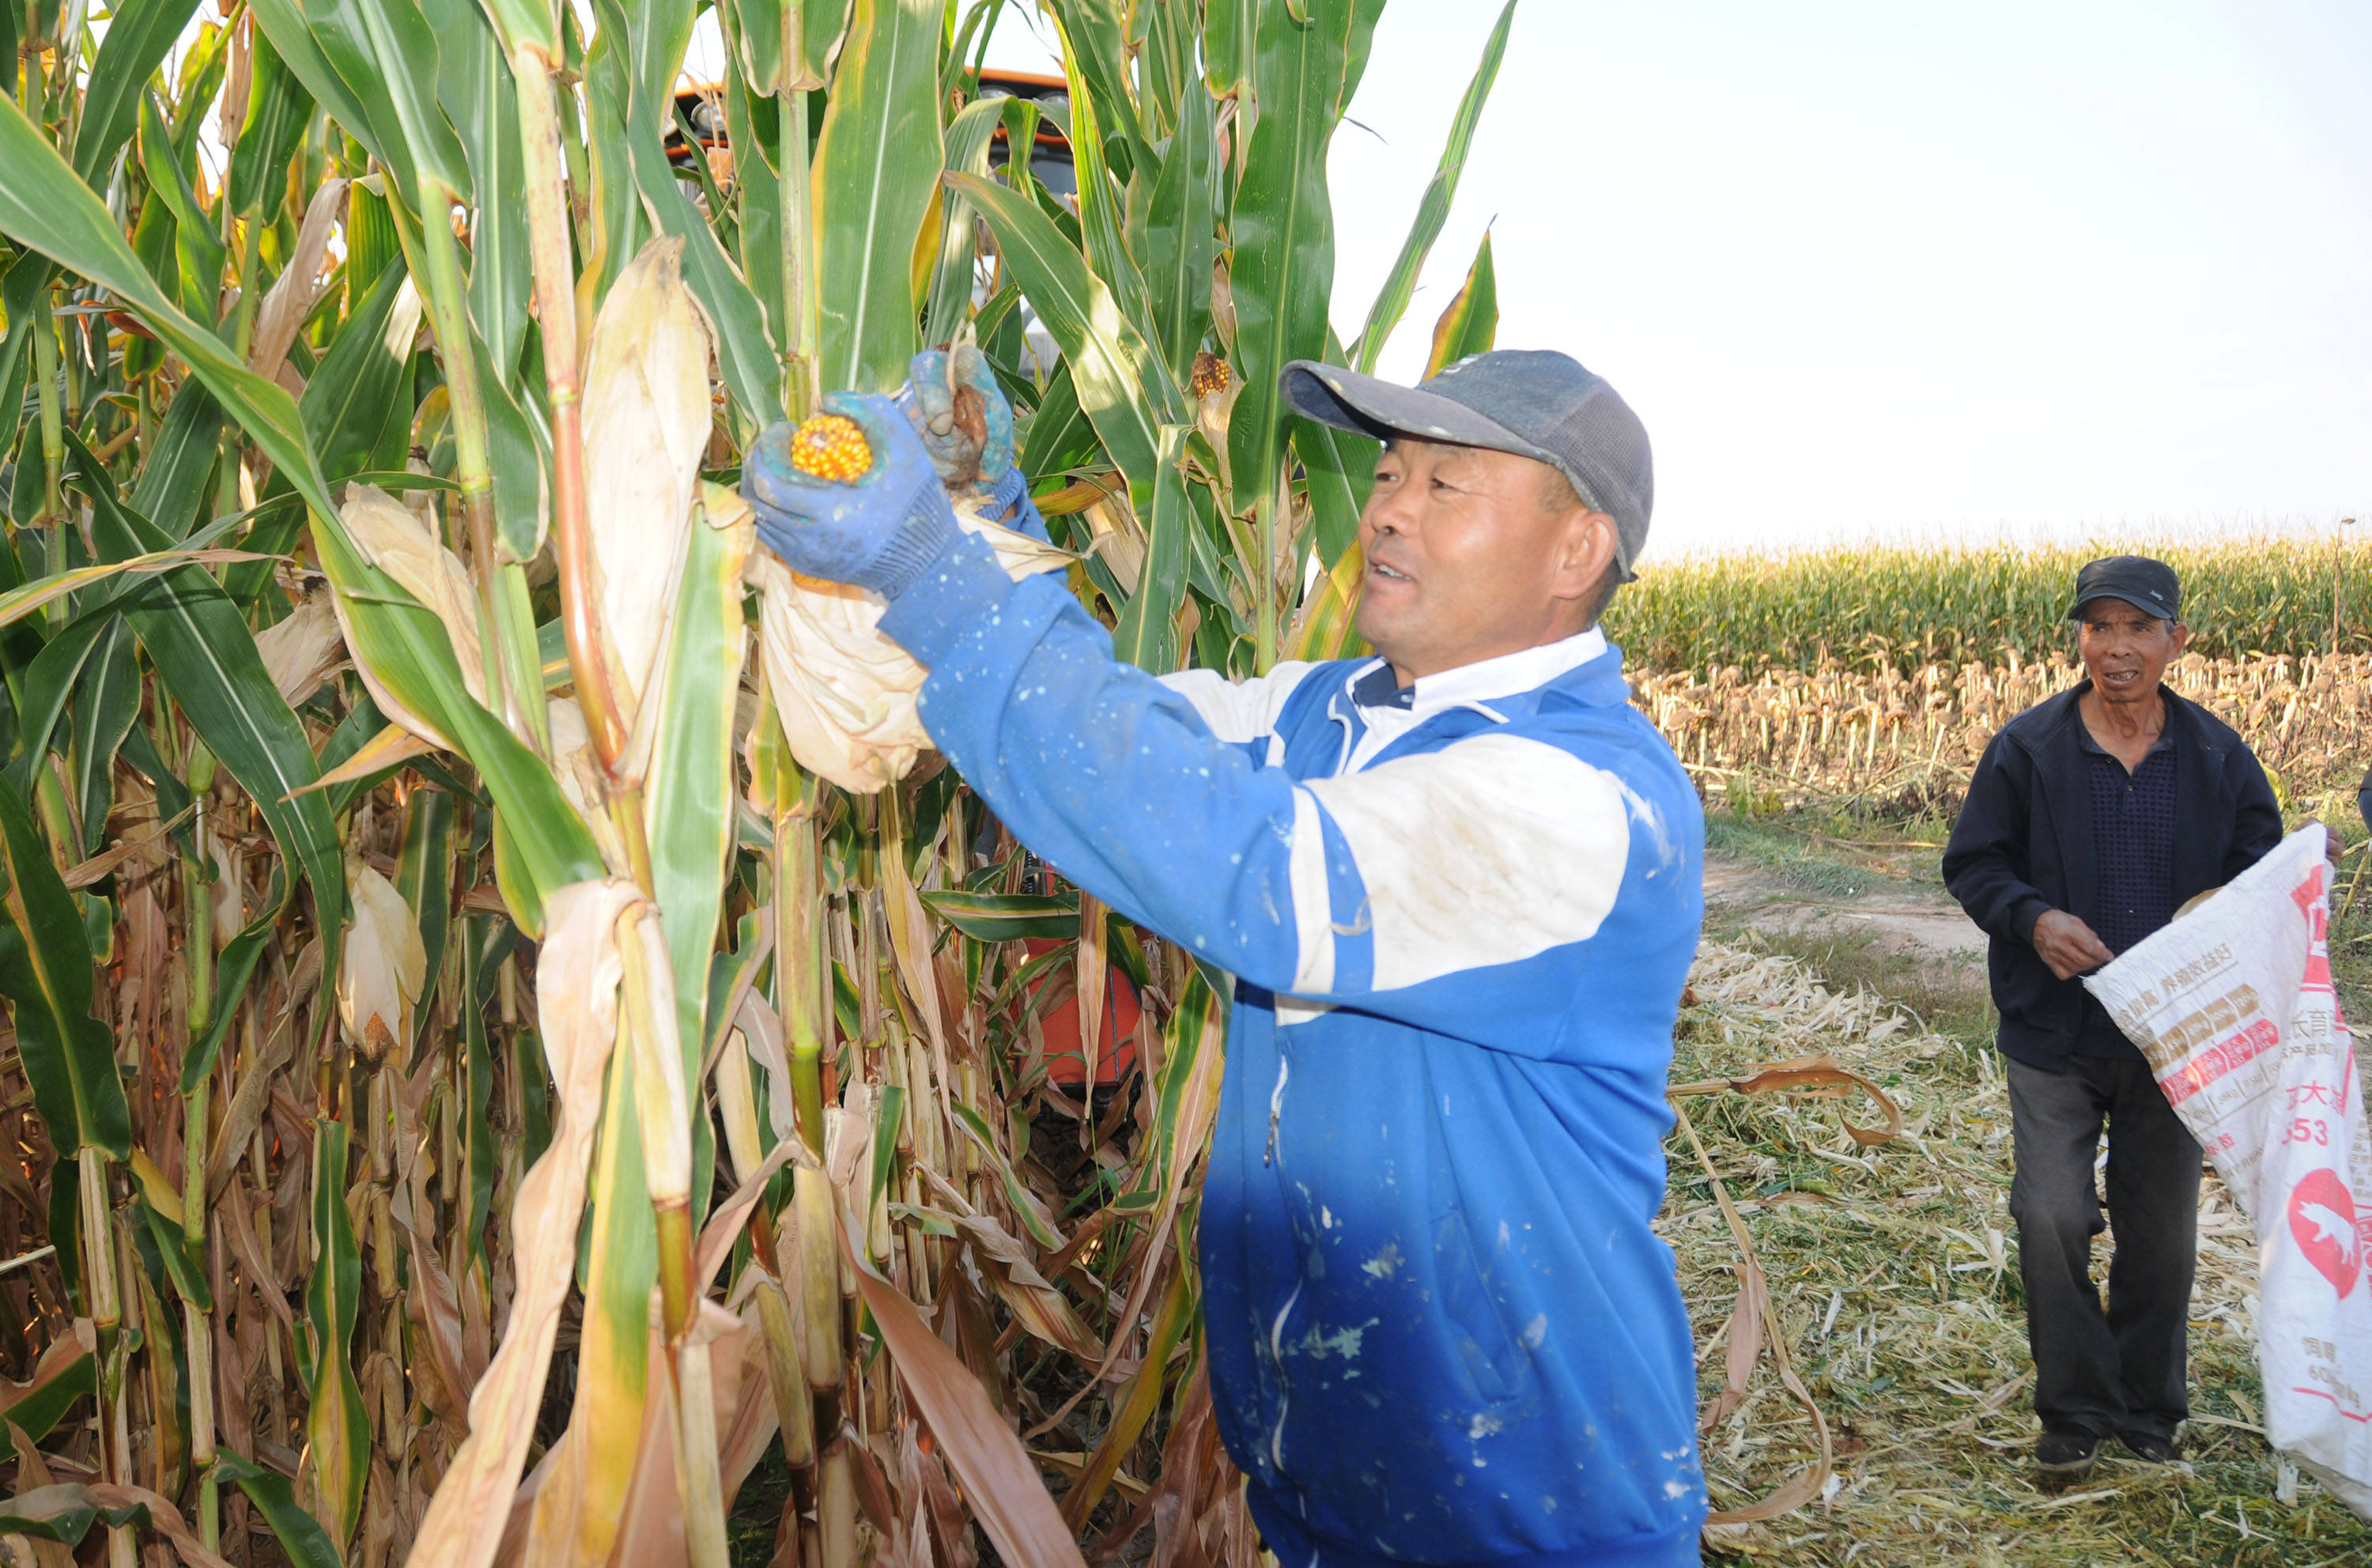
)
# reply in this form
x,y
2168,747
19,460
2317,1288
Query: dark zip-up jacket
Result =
x,y
2024,844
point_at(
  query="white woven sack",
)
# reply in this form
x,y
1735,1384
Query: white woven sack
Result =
x,y
2234,1007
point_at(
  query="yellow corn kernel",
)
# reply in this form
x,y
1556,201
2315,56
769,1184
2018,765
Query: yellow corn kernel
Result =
x,y
832,447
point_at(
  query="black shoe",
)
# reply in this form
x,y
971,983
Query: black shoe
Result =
x,y
2063,1456
2150,1449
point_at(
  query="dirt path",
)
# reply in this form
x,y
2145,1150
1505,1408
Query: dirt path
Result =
x,y
1899,917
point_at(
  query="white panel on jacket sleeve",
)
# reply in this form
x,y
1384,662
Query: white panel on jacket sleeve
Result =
x,y
1487,852
1239,710
1313,912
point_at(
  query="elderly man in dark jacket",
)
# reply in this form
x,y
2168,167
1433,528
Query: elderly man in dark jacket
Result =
x,y
2092,817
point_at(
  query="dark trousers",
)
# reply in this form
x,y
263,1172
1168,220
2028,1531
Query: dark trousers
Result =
x,y
2121,1370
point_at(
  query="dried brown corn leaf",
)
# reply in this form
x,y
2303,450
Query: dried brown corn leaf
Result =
x,y
302,648
382,966
394,539
578,973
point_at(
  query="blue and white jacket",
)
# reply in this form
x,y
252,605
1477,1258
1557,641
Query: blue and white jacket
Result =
x,y
1440,1330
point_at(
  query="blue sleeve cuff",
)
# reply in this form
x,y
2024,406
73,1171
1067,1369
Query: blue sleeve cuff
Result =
x,y
962,587
1010,504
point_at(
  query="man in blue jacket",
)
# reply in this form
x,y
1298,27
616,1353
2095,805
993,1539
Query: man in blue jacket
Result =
x,y
1458,885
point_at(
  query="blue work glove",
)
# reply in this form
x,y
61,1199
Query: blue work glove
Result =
x,y
962,416
879,530
966,425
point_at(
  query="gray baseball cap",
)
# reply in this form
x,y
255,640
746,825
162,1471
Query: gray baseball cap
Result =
x,y
1534,402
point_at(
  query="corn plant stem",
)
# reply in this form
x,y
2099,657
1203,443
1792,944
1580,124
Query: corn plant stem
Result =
x,y
799,951
556,299
800,388
54,439
450,308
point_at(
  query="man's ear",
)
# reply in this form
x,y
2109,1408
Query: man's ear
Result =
x,y
1586,552
2182,638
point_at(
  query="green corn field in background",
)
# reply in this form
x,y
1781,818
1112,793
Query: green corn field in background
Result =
x,y
474,1096
1901,607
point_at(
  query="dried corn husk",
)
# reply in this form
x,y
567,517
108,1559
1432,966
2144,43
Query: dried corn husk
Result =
x,y
646,423
396,540
577,972
291,298
382,968
302,648
845,692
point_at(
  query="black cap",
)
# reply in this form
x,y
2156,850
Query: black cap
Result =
x,y
2148,586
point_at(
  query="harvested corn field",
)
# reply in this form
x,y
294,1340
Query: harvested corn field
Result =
x,y
1908,743
1893,1274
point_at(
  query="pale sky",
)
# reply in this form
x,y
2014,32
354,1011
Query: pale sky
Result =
x,y
2051,270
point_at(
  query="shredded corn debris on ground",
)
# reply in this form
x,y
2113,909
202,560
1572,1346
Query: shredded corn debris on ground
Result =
x,y
1895,1270
830,446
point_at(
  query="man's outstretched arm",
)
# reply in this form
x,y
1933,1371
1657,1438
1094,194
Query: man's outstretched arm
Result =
x,y
1484,853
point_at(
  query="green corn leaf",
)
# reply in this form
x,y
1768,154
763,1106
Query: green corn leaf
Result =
x,y
1099,221
657,32
1106,356
106,701
388,55
876,168
43,205
969,138
481,97
784,46
138,38
67,1371
691,811
285,23
1181,234
480,955
1472,321
619,224
367,369
45,688
1146,636
1433,208
617,1266
198,256
1060,439
45,971
1006,917
301,1536
753,123
202,652
406,648
423,875
520,454
188,1273
174,479
337,1427
1230,30
278,110
530,22
1099,28
1283,225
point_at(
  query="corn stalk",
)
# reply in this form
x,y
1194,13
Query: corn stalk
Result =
x,y
478,1091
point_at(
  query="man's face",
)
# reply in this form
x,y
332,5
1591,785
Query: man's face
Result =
x,y
1466,561
2125,649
